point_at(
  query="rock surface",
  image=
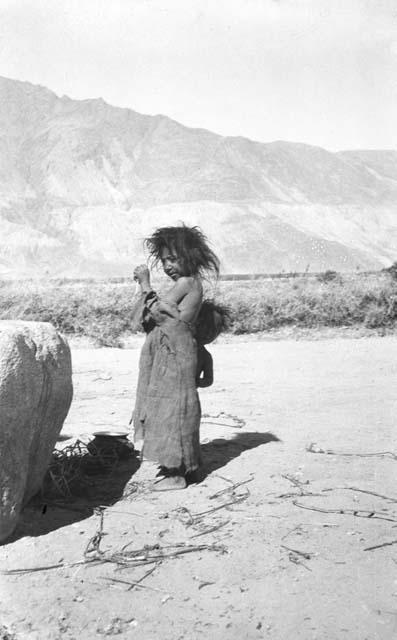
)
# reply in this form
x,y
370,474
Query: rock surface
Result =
x,y
35,396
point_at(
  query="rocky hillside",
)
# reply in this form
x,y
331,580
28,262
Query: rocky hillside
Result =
x,y
82,182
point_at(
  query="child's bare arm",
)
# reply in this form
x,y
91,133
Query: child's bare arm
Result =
x,y
186,293
180,290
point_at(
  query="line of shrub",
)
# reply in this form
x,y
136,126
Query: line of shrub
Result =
x,y
368,301
108,312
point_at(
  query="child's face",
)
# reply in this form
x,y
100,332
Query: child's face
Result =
x,y
172,265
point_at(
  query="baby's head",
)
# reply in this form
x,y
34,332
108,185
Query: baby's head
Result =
x,y
182,251
213,318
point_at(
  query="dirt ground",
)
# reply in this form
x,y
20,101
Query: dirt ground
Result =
x,y
263,564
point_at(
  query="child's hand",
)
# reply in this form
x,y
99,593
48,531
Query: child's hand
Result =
x,y
141,274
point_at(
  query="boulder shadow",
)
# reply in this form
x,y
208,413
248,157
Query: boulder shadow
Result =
x,y
219,452
48,511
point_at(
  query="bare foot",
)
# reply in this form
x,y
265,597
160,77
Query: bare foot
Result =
x,y
170,483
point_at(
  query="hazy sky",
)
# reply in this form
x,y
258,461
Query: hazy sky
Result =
x,y
317,71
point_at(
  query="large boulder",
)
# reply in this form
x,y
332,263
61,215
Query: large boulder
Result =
x,y
35,395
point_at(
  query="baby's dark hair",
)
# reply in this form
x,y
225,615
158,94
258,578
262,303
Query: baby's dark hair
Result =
x,y
189,244
213,318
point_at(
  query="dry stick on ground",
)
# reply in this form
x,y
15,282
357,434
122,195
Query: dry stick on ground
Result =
x,y
126,513
147,555
222,506
211,529
139,563
299,485
359,513
196,517
371,493
294,556
128,560
217,475
132,585
305,555
94,542
48,567
295,559
229,489
379,546
140,556
298,527
294,481
312,448
147,574
137,583
238,422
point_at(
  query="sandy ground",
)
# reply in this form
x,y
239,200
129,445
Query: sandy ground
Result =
x,y
278,570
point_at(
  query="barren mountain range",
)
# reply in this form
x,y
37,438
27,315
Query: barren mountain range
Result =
x,y
83,182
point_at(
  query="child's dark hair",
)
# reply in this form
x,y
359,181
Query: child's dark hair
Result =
x,y
189,244
213,318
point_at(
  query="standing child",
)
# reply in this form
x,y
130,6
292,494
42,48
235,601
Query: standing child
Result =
x,y
167,410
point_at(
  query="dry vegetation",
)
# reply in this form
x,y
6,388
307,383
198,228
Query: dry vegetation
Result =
x,y
108,312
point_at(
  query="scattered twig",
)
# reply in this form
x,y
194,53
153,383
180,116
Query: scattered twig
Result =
x,y
49,567
299,485
154,553
305,555
222,506
203,583
217,475
371,493
295,556
135,558
305,494
221,424
211,529
188,518
295,559
93,544
379,546
359,513
314,448
207,583
238,422
124,547
126,513
148,573
131,585
137,583
138,563
229,489
298,527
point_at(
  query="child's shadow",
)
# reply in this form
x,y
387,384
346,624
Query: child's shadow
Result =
x,y
219,452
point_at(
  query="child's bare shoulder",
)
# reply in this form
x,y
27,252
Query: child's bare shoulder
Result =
x,y
190,282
